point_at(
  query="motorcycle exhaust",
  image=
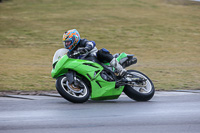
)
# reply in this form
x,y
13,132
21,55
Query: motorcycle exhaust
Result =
x,y
129,62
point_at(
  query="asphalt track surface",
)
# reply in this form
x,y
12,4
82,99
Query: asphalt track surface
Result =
x,y
166,112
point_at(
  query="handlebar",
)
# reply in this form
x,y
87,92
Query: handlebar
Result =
x,y
77,54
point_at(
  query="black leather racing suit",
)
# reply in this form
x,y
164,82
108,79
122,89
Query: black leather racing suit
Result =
x,y
102,55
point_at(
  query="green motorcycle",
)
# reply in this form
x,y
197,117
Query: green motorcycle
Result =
x,y
77,80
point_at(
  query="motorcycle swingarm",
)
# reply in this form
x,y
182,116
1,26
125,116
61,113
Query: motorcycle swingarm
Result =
x,y
134,81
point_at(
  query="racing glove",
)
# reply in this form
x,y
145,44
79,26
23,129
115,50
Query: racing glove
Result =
x,y
82,50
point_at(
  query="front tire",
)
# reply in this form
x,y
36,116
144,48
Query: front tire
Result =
x,y
72,93
137,92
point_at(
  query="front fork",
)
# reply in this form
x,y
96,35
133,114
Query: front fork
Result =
x,y
71,77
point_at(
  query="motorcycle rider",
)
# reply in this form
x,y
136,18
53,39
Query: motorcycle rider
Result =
x,y
73,42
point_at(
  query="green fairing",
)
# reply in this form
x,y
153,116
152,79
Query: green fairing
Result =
x,y
100,88
106,91
121,56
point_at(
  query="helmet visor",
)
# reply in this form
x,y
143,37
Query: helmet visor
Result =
x,y
67,44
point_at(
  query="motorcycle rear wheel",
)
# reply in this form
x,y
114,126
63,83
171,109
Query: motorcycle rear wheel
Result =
x,y
72,93
143,93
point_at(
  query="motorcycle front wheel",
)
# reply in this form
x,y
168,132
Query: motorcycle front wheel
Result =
x,y
140,92
76,93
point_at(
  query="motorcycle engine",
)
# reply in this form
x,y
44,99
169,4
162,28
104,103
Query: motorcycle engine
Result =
x,y
106,76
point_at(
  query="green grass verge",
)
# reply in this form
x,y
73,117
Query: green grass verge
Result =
x,y
163,34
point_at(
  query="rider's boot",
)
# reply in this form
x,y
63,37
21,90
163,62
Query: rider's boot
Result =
x,y
114,63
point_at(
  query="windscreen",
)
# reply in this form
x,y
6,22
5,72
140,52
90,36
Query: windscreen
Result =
x,y
58,54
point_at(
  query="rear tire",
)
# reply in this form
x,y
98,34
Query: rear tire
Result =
x,y
71,92
140,93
